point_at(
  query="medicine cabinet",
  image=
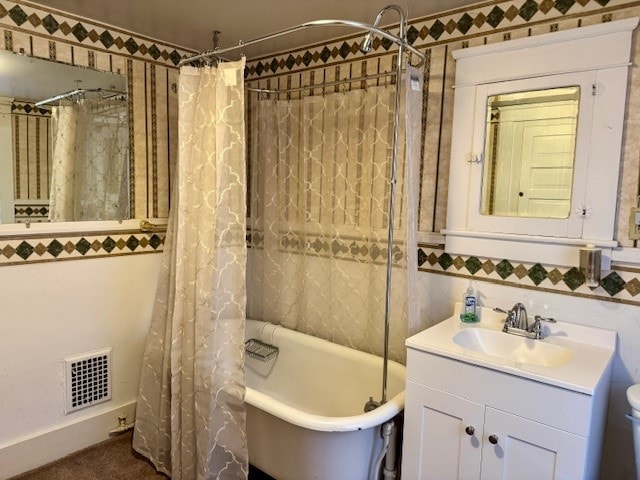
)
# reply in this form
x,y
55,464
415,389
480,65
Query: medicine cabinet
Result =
x,y
536,144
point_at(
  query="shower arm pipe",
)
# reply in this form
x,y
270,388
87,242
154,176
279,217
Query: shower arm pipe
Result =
x,y
400,41
392,191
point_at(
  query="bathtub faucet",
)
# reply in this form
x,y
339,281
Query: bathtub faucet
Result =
x,y
371,405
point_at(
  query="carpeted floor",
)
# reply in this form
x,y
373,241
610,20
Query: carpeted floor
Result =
x,y
113,459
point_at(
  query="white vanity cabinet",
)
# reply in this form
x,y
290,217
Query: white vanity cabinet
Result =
x,y
451,437
465,419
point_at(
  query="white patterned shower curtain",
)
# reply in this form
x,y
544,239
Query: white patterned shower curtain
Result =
x,y
190,418
319,214
90,161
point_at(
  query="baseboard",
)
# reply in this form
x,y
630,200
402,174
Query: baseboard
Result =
x,y
49,445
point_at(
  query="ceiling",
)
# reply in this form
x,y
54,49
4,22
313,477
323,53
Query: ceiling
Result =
x,y
190,23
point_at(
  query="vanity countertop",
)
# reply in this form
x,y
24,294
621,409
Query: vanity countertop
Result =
x,y
591,350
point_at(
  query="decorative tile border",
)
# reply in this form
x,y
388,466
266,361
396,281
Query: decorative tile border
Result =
x,y
30,212
481,19
350,248
620,285
29,108
19,250
23,16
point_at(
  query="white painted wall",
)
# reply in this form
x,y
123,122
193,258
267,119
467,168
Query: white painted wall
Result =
x,y
53,310
438,293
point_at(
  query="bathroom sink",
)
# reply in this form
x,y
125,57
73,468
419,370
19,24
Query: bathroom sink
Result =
x,y
569,355
512,348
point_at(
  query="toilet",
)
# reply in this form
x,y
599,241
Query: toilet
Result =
x,y
633,396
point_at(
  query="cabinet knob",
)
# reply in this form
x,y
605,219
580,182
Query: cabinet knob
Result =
x,y
469,430
493,439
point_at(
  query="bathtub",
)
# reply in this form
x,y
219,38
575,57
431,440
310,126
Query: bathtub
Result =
x,y
305,418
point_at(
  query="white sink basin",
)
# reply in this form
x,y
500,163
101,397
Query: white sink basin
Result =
x,y
569,355
512,348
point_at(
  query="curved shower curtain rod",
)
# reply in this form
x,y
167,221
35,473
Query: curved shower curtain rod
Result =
x,y
316,23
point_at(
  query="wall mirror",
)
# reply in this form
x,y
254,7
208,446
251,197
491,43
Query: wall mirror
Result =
x,y
65,159
529,153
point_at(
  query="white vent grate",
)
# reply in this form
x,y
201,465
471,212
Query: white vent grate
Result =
x,y
88,380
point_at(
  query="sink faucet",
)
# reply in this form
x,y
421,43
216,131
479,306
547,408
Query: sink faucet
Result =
x,y
517,322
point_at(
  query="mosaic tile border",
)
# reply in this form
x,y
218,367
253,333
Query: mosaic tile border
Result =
x,y
354,249
29,108
461,24
54,25
18,250
31,212
619,285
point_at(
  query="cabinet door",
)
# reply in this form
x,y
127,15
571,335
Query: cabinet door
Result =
x,y
527,450
442,435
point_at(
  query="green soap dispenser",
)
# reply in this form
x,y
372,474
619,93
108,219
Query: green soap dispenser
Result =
x,y
468,313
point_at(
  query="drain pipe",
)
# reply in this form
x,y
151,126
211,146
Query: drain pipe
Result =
x,y
388,432
390,470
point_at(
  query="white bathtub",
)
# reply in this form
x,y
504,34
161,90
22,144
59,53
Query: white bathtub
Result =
x,y
305,419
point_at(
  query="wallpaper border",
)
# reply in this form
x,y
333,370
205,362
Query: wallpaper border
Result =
x,y
461,24
17,250
351,248
621,285
52,24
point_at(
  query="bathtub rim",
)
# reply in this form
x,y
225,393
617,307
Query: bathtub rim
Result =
x,y
322,423
295,416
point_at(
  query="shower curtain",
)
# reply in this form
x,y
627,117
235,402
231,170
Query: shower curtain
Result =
x,y
190,418
319,214
90,164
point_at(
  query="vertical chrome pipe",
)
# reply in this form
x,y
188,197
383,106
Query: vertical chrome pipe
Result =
x,y
392,191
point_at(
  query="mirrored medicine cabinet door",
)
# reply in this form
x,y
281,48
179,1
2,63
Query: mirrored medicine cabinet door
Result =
x,y
531,155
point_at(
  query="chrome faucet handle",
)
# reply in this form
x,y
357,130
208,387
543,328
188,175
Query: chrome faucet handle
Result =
x,y
539,318
509,320
536,328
